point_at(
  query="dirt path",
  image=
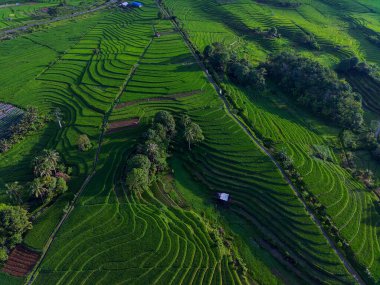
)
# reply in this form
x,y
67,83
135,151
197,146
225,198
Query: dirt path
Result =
x,y
343,259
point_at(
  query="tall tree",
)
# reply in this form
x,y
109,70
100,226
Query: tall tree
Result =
x,y
46,163
14,222
37,189
193,134
13,190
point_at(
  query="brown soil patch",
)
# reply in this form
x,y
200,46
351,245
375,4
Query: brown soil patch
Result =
x,y
164,98
20,261
122,125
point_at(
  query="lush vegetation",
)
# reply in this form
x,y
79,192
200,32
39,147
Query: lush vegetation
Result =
x,y
317,88
144,205
314,147
30,121
14,222
239,71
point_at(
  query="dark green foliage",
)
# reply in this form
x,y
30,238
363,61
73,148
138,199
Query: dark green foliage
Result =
x,y
50,176
352,66
31,121
14,222
167,121
240,71
84,143
347,64
375,39
317,88
138,180
376,153
13,190
139,161
152,153
191,132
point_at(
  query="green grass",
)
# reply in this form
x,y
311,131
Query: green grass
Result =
x,y
107,224
351,206
111,237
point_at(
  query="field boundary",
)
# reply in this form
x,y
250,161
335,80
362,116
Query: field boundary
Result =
x,y
31,277
249,132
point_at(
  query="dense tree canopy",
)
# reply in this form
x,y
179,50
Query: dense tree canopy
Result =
x,y
316,87
50,176
240,71
14,222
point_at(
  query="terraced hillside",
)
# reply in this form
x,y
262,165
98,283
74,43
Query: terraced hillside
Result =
x,y
351,206
116,71
109,74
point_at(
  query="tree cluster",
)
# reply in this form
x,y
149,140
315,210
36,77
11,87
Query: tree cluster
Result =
x,y
191,132
51,176
30,121
240,71
152,151
353,64
14,222
316,87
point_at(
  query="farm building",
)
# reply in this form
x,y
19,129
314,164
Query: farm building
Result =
x,y
223,197
136,5
124,5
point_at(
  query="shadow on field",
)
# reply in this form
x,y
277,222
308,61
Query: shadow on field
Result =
x,y
18,159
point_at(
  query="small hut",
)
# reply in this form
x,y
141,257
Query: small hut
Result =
x,y
224,197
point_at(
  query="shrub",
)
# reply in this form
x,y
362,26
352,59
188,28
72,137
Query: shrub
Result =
x,y
84,143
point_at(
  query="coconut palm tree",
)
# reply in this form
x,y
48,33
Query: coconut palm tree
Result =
x,y
193,133
46,163
37,189
52,157
13,190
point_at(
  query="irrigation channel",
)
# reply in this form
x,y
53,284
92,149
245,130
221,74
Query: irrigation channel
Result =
x,y
34,272
249,132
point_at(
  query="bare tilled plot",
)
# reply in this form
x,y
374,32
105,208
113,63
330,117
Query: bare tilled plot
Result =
x,y
122,125
20,261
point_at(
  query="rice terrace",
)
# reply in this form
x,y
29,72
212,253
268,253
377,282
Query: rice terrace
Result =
x,y
189,142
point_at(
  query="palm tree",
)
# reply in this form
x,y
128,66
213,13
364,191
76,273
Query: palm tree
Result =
x,y
52,157
46,163
193,133
37,189
189,136
58,115
13,191
185,120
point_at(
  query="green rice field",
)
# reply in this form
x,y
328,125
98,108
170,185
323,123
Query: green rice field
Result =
x,y
107,67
